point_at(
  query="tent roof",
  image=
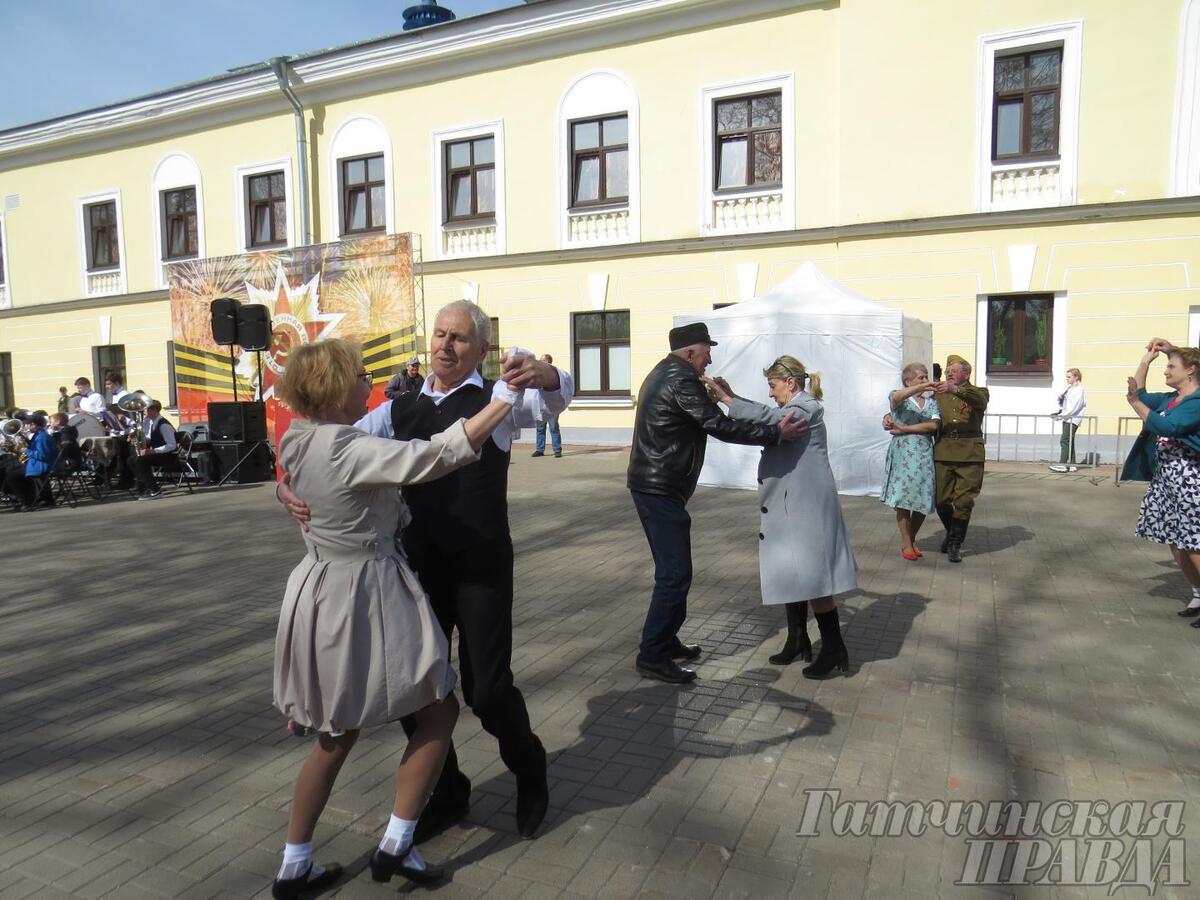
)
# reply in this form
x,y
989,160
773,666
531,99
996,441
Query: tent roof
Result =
x,y
807,290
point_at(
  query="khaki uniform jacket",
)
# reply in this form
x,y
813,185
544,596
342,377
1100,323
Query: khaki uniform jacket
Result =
x,y
960,438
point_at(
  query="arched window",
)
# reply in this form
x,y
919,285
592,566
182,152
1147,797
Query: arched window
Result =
x,y
178,212
599,181
360,159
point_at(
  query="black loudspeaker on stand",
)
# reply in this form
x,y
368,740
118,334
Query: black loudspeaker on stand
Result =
x,y
243,462
239,437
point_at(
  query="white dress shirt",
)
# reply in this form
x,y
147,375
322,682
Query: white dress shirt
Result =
x,y
168,435
118,394
92,402
535,406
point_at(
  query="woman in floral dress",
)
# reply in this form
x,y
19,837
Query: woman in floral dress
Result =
x,y
908,479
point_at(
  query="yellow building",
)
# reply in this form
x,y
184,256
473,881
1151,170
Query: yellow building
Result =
x,y
1023,175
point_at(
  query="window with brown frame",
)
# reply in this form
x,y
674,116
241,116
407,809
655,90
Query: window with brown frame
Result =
x,y
748,142
600,347
1027,94
106,360
180,238
364,207
599,160
103,249
1020,336
266,210
491,362
470,179
7,398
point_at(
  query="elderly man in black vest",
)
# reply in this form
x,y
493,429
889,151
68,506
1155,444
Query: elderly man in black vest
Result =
x,y
675,417
460,547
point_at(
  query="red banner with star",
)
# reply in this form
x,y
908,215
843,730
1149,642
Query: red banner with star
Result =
x,y
361,290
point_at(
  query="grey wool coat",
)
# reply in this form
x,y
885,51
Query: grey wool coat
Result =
x,y
804,547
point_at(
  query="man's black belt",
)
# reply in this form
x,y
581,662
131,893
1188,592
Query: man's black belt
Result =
x,y
960,433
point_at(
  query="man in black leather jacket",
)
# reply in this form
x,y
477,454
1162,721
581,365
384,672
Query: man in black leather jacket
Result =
x,y
674,417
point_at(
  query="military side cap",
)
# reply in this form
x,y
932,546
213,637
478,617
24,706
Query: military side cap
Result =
x,y
954,359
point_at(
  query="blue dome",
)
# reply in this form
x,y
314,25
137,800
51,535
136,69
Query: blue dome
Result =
x,y
426,12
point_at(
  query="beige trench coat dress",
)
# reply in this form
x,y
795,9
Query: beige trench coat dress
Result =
x,y
358,643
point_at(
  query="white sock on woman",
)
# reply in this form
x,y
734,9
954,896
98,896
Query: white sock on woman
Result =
x,y
297,858
398,840
1195,598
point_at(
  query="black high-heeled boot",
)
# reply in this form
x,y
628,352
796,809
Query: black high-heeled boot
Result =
x,y
833,653
797,642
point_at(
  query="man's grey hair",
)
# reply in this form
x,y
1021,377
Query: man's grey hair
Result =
x,y
483,325
964,365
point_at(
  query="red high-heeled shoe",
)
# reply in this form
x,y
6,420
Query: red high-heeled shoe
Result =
x,y
910,555
917,550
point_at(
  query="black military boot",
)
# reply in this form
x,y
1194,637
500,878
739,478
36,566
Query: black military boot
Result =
x,y
958,533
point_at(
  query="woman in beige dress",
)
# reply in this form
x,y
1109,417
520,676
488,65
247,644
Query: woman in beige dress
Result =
x,y
358,644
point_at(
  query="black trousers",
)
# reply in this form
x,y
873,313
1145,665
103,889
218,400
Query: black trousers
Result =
x,y
472,591
143,468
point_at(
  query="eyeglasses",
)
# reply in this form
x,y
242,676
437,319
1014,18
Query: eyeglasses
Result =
x,y
366,377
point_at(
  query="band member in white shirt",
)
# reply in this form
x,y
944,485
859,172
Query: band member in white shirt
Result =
x,y
114,386
158,450
89,401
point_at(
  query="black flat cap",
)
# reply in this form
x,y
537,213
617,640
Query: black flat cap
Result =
x,y
686,335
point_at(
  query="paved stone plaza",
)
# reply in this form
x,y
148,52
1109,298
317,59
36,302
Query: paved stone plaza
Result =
x,y
143,757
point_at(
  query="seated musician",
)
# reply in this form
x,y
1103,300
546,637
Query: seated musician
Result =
x,y
158,450
70,456
40,457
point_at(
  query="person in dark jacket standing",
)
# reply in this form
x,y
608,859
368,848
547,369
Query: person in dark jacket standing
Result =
x,y
674,418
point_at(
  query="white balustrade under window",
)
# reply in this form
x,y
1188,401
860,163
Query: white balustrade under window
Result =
x,y
102,284
4,302
748,212
1025,185
469,240
601,226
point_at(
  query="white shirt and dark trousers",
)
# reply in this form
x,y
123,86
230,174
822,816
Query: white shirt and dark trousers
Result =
x,y
1073,403
160,438
460,546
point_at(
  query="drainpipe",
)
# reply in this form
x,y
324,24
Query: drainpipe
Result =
x,y
279,65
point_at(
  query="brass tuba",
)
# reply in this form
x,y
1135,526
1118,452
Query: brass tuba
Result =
x,y
11,433
134,404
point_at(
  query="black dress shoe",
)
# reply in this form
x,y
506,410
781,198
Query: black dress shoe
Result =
x,y
687,651
1196,624
533,796
289,888
385,865
667,670
1190,613
441,813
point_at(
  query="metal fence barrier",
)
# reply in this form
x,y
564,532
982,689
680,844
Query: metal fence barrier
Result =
x,y
1123,431
1029,437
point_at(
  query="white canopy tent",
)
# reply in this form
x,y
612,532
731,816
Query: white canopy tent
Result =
x,y
857,345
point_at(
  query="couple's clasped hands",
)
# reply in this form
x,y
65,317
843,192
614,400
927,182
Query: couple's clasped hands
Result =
x,y
790,428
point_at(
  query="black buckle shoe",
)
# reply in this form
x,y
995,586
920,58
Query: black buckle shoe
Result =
x,y
686,651
385,865
290,888
667,670
1190,612
533,796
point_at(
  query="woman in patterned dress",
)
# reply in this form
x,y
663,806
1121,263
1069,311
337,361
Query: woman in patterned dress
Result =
x,y
908,478
1170,512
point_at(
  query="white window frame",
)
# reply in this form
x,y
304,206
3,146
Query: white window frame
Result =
x,y
6,284
709,95
174,171
81,203
598,93
442,137
1068,35
240,174
359,134
1185,128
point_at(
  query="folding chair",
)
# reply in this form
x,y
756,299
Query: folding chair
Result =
x,y
183,472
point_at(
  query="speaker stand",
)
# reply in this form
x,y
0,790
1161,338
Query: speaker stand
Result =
x,y
253,445
233,372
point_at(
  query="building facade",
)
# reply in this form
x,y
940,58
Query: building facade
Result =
x,y
1025,176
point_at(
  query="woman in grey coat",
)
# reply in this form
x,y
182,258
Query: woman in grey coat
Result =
x,y
804,553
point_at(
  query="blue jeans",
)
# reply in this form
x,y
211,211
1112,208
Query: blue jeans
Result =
x,y
668,529
555,435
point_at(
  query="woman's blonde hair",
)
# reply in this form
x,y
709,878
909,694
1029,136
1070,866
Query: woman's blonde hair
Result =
x,y
1189,357
319,377
790,367
911,369
1076,373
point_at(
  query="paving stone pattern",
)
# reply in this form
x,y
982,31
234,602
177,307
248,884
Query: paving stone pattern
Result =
x,y
143,758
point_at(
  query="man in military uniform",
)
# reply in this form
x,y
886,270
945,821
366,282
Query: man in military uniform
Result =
x,y
958,454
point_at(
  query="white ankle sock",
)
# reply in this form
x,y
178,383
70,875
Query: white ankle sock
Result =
x,y
398,837
1195,598
296,860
